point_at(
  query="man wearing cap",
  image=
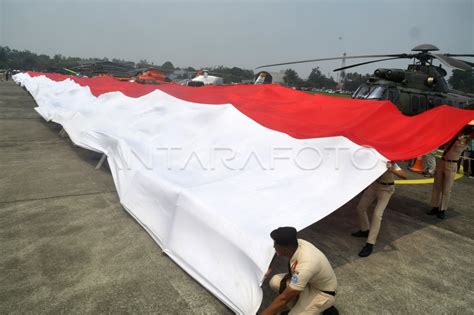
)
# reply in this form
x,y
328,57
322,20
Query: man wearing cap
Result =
x,y
381,190
446,170
310,285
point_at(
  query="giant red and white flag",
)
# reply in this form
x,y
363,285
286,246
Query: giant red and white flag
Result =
x,y
210,171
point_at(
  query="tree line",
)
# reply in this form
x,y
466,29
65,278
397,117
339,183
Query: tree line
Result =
x,y
318,80
27,60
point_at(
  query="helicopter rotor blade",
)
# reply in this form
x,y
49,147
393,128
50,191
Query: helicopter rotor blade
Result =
x,y
365,63
459,55
333,58
462,55
452,62
468,62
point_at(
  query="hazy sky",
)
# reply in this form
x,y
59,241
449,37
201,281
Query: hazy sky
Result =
x,y
236,33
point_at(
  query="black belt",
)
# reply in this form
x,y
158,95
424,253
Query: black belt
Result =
x,y
451,161
387,184
333,293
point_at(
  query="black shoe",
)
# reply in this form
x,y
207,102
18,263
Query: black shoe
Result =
x,y
331,311
360,233
366,250
433,211
441,214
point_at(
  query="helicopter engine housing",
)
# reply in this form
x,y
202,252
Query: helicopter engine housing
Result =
x,y
396,75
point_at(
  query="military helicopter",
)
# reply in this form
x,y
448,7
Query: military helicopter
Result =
x,y
418,88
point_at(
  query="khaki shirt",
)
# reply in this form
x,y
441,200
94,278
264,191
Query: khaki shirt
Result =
x,y
310,269
457,148
388,176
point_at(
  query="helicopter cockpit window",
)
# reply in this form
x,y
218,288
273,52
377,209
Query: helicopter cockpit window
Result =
x,y
376,93
361,92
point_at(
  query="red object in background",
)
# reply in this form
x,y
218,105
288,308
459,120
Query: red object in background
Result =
x,y
151,76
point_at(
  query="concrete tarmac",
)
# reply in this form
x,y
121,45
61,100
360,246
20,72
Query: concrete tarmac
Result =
x,y
68,246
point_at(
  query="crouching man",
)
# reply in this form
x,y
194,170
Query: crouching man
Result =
x,y
310,285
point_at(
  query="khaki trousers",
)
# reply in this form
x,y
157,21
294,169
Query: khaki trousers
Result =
x,y
443,183
309,302
382,194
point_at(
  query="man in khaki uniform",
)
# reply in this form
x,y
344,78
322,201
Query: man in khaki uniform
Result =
x,y
310,285
446,169
381,190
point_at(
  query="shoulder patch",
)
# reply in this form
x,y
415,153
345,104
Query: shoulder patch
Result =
x,y
294,278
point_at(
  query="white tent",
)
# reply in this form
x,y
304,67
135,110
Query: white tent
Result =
x,y
208,79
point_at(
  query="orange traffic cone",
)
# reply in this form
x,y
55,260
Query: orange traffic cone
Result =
x,y
418,166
